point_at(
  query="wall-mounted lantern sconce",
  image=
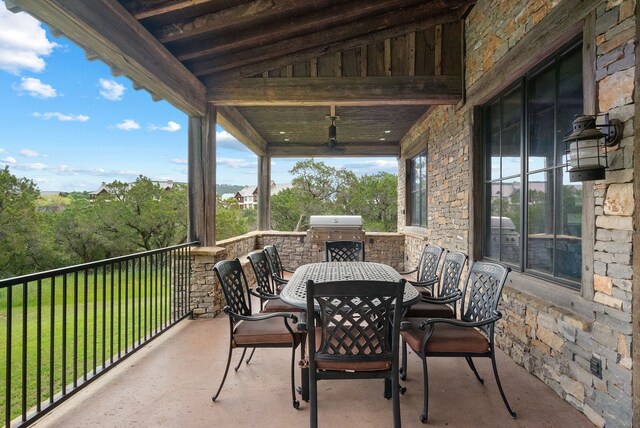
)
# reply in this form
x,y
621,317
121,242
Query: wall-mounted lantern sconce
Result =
x,y
587,147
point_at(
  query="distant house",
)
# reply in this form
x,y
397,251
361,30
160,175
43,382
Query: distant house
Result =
x,y
247,197
104,188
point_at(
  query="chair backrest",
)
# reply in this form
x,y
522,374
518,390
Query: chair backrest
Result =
x,y
273,258
234,286
357,320
481,293
451,271
344,251
429,261
262,271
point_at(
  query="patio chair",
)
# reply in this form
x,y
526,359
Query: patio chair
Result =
x,y
279,273
269,300
248,330
445,303
470,336
355,335
344,251
426,271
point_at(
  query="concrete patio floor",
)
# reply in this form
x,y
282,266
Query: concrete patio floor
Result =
x,y
170,383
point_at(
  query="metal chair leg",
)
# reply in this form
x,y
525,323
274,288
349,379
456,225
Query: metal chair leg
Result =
x,y
251,355
313,401
425,375
244,351
473,368
403,366
504,398
296,403
395,391
224,377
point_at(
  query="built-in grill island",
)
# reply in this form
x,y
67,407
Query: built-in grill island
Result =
x,y
334,228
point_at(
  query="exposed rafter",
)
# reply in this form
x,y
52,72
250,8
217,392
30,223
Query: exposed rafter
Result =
x,y
320,149
353,91
303,48
235,124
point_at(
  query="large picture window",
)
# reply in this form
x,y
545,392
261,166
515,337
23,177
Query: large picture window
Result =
x,y
418,190
533,214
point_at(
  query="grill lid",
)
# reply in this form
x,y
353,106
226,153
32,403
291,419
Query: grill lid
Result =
x,y
335,221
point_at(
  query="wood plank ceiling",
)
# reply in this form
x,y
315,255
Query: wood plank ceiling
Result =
x,y
278,67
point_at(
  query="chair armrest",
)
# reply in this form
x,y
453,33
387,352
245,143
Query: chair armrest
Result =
x,y
432,321
279,280
264,296
428,283
408,272
443,299
261,316
287,270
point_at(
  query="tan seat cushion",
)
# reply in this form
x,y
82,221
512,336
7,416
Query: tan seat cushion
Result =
x,y
278,305
266,332
429,310
446,338
347,363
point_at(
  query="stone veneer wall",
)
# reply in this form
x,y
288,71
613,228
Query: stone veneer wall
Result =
x,y
551,342
207,299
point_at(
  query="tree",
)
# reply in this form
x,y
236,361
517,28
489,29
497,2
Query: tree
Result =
x,y
23,239
375,198
78,232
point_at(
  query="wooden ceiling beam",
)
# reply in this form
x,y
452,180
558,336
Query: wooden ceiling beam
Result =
x,y
291,27
106,28
235,124
341,91
233,17
309,46
320,150
142,9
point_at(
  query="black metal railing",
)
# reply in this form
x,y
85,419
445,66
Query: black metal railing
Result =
x,y
62,328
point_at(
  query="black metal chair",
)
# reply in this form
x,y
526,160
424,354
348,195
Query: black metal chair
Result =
x,y
247,330
470,336
445,303
344,251
354,336
279,273
269,299
426,271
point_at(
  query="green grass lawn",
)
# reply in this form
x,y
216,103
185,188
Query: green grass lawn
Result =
x,y
104,314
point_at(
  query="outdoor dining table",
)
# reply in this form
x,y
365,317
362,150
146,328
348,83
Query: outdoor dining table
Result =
x,y
295,292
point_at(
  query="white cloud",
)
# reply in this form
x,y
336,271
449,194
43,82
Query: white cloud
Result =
x,y
171,126
236,163
35,88
9,160
111,90
128,125
37,165
23,42
180,161
1,150
62,117
29,153
224,140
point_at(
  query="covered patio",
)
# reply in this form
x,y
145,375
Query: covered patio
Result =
x,y
170,384
473,98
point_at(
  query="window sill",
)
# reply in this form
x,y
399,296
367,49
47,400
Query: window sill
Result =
x,y
552,295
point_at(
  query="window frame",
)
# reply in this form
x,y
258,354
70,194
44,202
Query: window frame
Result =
x,y
424,184
522,84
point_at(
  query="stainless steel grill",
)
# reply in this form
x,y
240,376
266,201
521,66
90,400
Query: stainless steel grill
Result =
x,y
335,228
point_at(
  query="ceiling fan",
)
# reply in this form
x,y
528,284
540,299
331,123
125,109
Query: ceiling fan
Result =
x,y
332,141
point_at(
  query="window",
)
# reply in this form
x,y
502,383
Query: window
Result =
x,y
533,214
418,190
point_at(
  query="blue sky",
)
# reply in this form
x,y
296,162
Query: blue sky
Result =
x,y
68,124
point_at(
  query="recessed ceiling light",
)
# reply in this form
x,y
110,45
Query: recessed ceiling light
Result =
x,y
382,139
281,132
388,131
286,139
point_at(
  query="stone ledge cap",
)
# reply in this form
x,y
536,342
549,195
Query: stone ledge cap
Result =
x,y
207,251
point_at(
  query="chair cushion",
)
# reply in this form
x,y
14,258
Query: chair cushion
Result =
x,y
348,362
265,332
277,305
446,338
429,310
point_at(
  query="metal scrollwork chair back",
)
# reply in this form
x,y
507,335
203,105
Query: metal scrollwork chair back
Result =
x,y
344,251
247,330
280,275
356,335
470,336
